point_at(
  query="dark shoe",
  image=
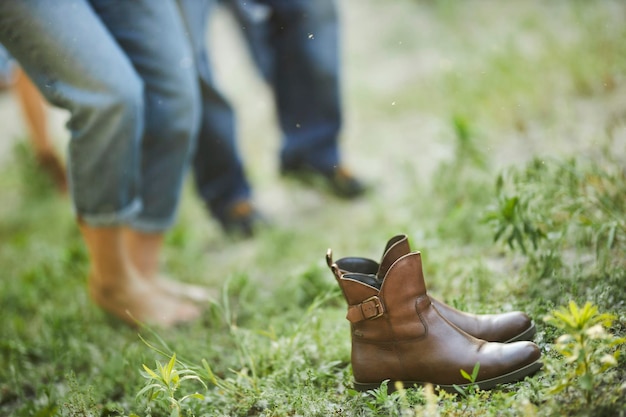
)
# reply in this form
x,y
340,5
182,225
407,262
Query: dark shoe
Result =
x,y
338,180
398,335
505,327
241,219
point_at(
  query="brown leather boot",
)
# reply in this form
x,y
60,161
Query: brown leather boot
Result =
x,y
399,335
505,327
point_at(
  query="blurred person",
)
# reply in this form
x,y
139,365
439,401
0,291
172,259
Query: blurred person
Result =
x,y
34,110
124,72
295,46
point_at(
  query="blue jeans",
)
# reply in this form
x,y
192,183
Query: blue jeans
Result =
x,y
294,44
124,71
7,67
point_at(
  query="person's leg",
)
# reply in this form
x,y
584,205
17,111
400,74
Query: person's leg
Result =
x,y
217,167
105,98
295,45
99,88
34,110
152,35
144,250
7,69
302,41
117,286
166,66
254,21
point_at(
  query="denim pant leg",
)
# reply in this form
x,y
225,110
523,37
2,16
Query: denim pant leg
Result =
x,y
152,34
305,78
254,20
218,170
75,61
7,68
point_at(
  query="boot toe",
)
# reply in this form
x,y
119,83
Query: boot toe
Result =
x,y
516,326
514,362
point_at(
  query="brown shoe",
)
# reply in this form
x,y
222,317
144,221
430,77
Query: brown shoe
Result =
x,y
241,220
338,180
506,327
399,335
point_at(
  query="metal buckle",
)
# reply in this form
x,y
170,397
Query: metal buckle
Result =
x,y
380,309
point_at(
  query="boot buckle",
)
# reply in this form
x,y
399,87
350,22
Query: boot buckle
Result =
x,y
369,309
372,308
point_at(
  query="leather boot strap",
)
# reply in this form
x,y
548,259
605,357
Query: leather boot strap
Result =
x,y
369,309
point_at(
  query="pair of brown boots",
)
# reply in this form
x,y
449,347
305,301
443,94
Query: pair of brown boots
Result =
x,y
401,334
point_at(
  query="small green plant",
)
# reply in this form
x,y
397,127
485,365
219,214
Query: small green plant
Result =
x,y
381,400
80,401
472,388
165,381
513,222
588,348
467,148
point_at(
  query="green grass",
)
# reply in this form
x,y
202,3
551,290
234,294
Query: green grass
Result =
x,y
494,136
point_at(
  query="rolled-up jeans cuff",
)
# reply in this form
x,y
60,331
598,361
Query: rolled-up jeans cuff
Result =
x,y
153,225
117,218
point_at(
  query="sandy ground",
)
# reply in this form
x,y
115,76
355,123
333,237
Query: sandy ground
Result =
x,y
373,143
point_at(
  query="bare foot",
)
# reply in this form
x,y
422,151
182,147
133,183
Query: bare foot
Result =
x,y
139,301
144,250
191,292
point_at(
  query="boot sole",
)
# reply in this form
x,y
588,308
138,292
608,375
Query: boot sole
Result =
x,y
526,335
486,384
